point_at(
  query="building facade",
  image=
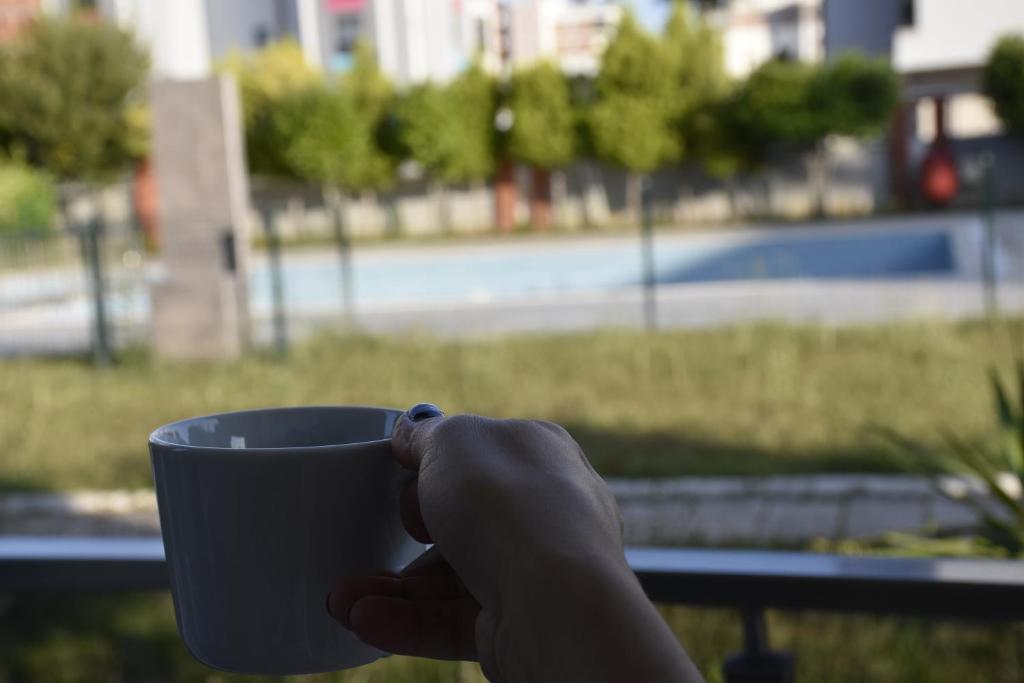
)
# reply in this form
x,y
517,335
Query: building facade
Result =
x,y
414,40
939,49
756,31
571,34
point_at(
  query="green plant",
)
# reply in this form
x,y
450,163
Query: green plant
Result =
x,y
1000,470
798,105
1003,80
633,119
28,199
267,78
473,96
544,131
69,86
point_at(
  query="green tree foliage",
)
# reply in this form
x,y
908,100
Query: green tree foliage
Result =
x,y
544,132
800,104
373,96
772,104
698,60
473,96
68,88
1003,81
853,95
28,199
330,131
705,96
329,139
428,131
632,122
266,78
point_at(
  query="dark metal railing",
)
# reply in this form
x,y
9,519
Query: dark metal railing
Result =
x,y
748,581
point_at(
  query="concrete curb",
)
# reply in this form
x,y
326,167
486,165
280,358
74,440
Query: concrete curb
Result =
x,y
691,510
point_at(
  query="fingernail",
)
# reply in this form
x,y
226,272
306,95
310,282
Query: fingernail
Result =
x,y
423,411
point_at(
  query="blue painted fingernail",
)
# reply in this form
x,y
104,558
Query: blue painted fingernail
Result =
x,y
424,411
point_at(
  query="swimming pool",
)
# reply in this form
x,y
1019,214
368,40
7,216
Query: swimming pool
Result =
x,y
482,273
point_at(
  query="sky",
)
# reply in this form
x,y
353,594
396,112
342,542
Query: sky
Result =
x,y
651,12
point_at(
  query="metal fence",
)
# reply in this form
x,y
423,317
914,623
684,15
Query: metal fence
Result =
x,y
72,291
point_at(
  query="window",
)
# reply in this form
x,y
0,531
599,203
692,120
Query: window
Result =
x,y
346,33
906,12
260,36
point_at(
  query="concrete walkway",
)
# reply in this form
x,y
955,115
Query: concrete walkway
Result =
x,y
702,510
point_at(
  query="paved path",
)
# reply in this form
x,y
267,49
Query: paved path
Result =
x,y
700,510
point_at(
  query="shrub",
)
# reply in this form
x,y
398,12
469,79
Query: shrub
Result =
x,y
28,199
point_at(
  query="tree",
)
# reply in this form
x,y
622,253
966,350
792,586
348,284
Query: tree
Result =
x,y
265,79
633,121
695,48
797,105
473,96
329,142
773,104
1003,81
372,96
68,92
429,133
543,133
708,134
853,95
544,130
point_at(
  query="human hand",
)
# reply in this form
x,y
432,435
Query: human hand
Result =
x,y
532,580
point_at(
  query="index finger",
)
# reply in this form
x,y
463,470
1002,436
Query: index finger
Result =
x,y
409,436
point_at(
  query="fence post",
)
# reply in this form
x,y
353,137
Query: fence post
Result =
x,y
988,266
92,252
276,285
757,663
647,256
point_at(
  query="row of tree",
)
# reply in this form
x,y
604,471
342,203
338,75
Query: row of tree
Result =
x,y
656,101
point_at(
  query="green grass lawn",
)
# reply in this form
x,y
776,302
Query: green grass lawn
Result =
x,y
745,400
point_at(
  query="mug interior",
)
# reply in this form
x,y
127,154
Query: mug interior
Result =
x,y
282,428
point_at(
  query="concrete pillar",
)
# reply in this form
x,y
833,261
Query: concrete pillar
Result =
x,y
200,309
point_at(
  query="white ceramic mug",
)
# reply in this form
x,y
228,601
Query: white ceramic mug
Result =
x,y
261,512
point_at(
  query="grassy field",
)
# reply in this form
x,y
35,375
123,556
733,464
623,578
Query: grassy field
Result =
x,y
77,638
745,400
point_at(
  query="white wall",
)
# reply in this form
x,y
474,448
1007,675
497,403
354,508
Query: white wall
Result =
x,y
417,40
175,33
755,31
954,33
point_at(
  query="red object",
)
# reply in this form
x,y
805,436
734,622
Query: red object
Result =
x,y
505,196
345,6
145,199
940,180
540,198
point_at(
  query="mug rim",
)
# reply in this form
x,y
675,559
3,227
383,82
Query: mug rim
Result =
x,y
155,440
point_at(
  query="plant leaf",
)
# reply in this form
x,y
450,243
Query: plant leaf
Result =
x,y
983,469
1003,406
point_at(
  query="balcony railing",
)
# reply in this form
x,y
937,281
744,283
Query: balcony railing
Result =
x,y
748,581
